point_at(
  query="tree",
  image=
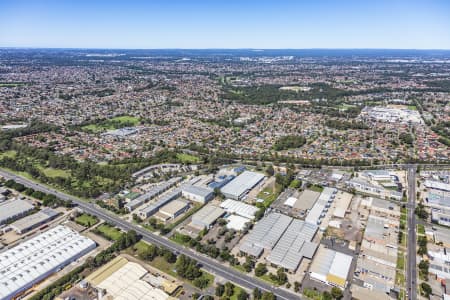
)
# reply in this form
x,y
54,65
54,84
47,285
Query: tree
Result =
x,y
421,212
260,269
297,286
229,289
336,293
242,295
282,277
170,257
268,296
220,289
256,294
426,289
326,296
249,264
270,171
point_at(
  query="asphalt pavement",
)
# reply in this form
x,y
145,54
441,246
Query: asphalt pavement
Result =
x,y
411,267
209,264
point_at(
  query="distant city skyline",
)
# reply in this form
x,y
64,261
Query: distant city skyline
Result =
x,y
395,24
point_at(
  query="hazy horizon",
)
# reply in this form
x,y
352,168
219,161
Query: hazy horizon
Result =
x,y
234,24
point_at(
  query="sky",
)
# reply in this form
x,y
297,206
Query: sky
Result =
x,y
196,24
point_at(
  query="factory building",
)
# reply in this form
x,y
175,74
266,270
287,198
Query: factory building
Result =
x,y
220,182
152,193
437,185
294,244
197,193
122,279
33,221
331,267
239,208
265,234
320,208
206,216
37,258
172,210
14,209
288,240
149,210
236,222
238,188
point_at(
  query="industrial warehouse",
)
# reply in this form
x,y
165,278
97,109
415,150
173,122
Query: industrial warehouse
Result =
x,y
206,217
39,257
287,239
154,192
331,267
35,220
239,208
13,209
237,188
122,279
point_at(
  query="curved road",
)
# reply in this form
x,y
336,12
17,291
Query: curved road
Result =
x,y
207,263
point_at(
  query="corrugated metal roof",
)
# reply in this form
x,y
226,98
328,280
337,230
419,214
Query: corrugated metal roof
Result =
x,y
294,245
197,190
34,219
37,258
241,184
152,193
12,208
315,214
207,215
266,233
239,208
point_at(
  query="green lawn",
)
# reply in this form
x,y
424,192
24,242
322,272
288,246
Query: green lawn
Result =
x,y
403,241
161,264
236,292
51,172
400,260
267,278
399,278
412,107
86,220
179,238
188,158
312,294
110,124
420,229
127,119
15,84
9,154
269,194
403,217
109,232
140,246
240,268
316,188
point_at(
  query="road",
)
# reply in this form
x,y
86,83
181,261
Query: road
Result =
x,y
207,263
411,266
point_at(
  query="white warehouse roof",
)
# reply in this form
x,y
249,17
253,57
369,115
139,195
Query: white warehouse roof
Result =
x,y
237,222
127,284
331,267
237,187
290,201
34,260
239,208
437,185
318,210
13,208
